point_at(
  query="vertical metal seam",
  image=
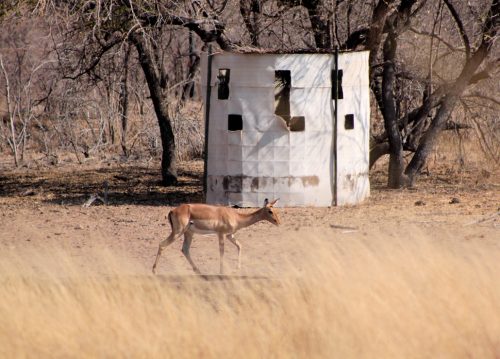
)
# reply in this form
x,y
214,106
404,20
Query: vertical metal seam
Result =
x,y
207,119
335,153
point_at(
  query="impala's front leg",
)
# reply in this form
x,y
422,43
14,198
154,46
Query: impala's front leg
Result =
x,y
221,250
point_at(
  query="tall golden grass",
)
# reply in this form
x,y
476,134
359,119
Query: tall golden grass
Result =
x,y
364,297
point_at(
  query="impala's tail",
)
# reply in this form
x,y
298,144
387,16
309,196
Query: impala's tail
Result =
x,y
170,220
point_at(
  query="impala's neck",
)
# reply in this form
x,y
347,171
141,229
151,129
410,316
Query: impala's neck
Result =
x,y
247,219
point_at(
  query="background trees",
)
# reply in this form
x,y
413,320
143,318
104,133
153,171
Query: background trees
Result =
x,y
434,66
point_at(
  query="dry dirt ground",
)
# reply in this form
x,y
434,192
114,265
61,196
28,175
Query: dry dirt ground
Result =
x,y
41,210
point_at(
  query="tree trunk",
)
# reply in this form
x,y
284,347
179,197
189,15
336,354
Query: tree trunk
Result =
x,y
194,64
249,10
396,165
123,102
378,151
320,23
438,123
160,104
12,144
374,38
429,139
490,29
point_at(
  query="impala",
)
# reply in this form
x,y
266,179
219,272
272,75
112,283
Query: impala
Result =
x,y
188,219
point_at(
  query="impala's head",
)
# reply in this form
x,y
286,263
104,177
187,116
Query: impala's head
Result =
x,y
271,214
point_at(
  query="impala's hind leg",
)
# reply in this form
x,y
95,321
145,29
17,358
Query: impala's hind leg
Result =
x,y
238,245
221,251
179,222
163,244
188,238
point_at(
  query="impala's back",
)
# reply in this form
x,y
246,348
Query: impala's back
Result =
x,y
206,219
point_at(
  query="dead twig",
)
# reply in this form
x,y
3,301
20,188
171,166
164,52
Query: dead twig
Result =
x,y
336,226
92,199
97,197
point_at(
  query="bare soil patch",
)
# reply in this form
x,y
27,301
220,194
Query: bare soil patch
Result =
x,y
42,209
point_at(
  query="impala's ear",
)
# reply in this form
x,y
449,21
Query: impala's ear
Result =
x,y
272,203
266,202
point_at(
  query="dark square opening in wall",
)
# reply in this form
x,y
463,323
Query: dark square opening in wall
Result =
x,y
282,86
337,84
284,77
234,122
223,78
349,122
297,124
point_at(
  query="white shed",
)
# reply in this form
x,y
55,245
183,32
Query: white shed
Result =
x,y
272,131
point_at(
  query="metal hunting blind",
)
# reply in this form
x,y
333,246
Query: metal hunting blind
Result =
x,y
273,132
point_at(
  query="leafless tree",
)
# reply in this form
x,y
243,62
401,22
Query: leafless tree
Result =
x,y
429,60
24,82
148,26
414,129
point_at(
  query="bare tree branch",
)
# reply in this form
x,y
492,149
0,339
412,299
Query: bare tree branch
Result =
x,y
460,25
115,39
484,97
429,34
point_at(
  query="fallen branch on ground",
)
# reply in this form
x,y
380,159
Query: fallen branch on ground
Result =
x,y
92,199
336,226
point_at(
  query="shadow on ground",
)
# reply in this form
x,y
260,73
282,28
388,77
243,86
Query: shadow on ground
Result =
x,y
127,185
201,281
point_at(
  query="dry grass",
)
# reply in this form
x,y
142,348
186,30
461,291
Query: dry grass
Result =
x,y
389,290
368,296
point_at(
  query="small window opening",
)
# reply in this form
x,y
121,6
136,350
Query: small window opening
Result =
x,y
349,122
234,122
337,91
223,87
282,86
297,123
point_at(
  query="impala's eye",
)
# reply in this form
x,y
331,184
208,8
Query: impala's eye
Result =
x,y
271,212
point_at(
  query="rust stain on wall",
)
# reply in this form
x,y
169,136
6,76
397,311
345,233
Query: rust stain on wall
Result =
x,y
350,182
255,184
308,181
236,184
232,183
